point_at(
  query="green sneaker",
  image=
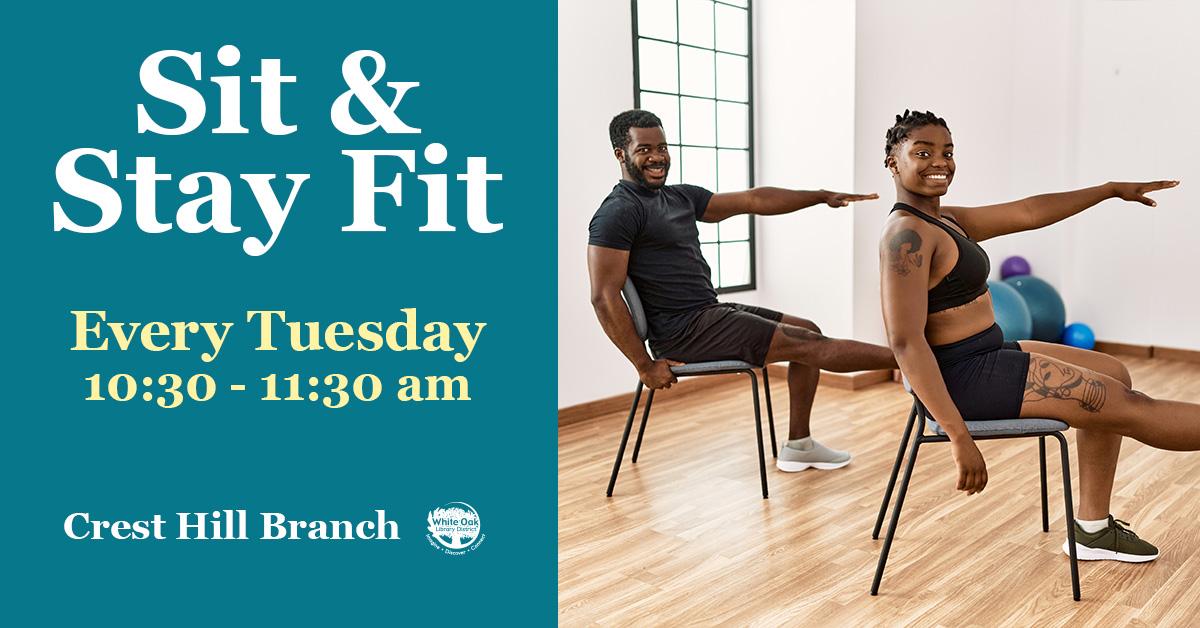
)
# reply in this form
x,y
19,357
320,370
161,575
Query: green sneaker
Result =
x,y
1116,542
809,454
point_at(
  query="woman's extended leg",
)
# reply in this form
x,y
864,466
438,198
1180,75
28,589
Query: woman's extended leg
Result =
x,y
1098,450
1094,402
1086,399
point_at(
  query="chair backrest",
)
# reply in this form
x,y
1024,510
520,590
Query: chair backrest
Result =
x,y
635,308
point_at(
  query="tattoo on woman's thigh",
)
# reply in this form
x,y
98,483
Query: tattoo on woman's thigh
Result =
x,y
1050,380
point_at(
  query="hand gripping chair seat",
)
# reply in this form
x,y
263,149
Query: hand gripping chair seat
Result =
x,y
719,367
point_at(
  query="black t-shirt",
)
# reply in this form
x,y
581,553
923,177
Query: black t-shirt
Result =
x,y
658,228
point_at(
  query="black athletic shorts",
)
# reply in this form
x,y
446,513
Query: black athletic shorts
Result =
x,y
723,331
985,375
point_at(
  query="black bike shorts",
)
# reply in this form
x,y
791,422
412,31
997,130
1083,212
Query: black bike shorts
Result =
x,y
985,375
723,331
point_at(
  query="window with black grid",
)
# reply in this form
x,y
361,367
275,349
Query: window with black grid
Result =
x,y
692,67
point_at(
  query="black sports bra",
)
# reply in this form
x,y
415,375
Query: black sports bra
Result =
x,y
968,279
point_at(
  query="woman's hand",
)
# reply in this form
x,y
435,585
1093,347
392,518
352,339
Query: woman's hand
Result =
x,y
972,470
1137,191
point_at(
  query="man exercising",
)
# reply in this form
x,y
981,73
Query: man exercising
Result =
x,y
646,230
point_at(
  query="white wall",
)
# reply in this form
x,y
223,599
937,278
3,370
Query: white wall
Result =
x,y
804,74
997,72
803,259
1134,271
1040,96
595,82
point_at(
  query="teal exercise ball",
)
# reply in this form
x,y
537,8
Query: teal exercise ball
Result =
x,y
1079,335
1012,314
1045,307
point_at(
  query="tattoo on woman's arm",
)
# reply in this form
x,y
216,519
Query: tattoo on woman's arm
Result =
x,y
904,252
1049,380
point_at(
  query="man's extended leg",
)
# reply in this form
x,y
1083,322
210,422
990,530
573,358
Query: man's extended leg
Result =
x,y
806,350
797,344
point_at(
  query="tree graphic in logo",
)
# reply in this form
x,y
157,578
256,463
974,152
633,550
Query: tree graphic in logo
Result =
x,y
455,526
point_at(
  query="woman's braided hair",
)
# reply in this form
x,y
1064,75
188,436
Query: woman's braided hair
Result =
x,y
905,124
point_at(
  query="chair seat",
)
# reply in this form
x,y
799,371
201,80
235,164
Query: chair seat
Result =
x,y
719,366
1005,427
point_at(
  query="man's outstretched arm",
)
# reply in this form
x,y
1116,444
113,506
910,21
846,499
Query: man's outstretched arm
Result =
x,y
606,270
767,201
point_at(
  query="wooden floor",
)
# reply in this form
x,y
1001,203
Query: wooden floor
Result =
x,y
687,539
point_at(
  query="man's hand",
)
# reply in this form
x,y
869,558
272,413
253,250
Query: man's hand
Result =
x,y
972,470
1137,191
657,374
840,199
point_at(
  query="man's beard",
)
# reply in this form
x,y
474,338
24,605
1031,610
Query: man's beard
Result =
x,y
639,175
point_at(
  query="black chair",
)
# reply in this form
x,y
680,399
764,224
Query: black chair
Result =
x,y
980,430
691,370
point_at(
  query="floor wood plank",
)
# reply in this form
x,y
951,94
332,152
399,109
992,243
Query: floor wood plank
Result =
x,y
687,539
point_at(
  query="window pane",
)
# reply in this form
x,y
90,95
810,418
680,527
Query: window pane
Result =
x,y
735,263
733,170
656,18
696,71
700,167
700,88
735,228
710,255
657,66
696,22
699,120
731,29
667,109
733,78
733,125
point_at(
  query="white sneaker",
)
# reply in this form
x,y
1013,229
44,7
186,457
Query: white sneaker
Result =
x,y
806,453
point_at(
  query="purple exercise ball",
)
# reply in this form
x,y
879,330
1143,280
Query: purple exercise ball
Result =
x,y
1013,266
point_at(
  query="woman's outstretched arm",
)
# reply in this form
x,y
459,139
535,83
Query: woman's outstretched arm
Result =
x,y
1035,212
905,253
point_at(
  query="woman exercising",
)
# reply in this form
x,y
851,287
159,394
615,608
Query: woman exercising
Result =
x,y
940,324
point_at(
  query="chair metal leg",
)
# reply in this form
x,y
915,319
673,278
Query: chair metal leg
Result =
x,y
637,446
1042,463
891,533
762,459
770,414
1066,466
887,493
637,396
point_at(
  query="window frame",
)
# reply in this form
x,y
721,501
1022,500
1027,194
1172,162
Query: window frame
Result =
x,y
750,145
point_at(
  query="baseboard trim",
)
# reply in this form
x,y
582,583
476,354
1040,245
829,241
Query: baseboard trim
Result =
x,y
778,372
842,381
854,380
621,402
1184,355
1148,351
1121,348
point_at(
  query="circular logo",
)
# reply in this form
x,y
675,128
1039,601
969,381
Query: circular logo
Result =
x,y
454,528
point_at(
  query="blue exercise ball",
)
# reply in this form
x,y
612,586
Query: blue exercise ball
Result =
x,y
1045,307
1079,335
1012,314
